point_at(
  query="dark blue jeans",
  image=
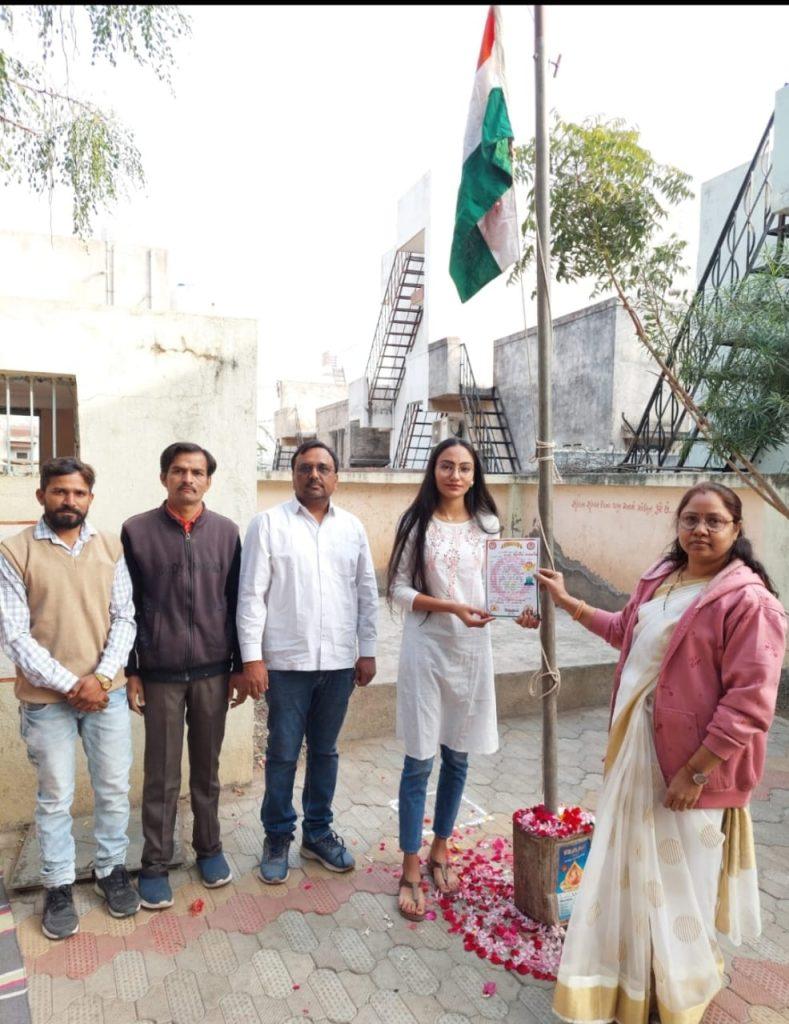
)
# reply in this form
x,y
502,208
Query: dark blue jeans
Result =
x,y
311,705
413,792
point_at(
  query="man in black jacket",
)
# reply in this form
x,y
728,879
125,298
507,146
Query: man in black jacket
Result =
x,y
184,563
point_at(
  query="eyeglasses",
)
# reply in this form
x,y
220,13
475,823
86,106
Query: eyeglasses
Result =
x,y
322,469
690,520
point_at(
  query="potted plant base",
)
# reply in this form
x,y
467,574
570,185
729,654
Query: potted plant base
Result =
x,y
549,856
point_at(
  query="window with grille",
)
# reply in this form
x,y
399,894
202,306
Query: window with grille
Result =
x,y
38,420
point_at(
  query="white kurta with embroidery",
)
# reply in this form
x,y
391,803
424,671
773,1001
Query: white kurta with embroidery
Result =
x,y
445,690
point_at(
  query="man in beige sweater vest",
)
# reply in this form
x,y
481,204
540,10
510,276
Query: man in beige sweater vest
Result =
x,y
67,623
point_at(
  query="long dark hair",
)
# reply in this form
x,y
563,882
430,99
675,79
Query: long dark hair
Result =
x,y
742,547
416,518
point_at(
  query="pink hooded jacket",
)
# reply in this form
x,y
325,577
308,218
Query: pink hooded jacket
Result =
x,y
718,680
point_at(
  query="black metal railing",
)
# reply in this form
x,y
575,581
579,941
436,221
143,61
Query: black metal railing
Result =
x,y
416,437
398,323
666,434
486,422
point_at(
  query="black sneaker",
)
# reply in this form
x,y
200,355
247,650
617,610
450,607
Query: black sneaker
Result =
x,y
122,898
60,918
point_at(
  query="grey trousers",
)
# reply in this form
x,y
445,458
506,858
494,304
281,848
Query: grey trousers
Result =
x,y
202,704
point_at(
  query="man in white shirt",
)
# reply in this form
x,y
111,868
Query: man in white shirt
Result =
x,y
307,614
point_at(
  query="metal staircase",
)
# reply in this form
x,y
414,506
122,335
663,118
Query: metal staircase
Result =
x,y
486,422
398,322
282,455
666,437
416,437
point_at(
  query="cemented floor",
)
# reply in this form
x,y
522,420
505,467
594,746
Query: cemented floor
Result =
x,y
325,947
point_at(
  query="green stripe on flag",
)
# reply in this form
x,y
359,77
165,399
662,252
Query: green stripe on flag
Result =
x,y
487,174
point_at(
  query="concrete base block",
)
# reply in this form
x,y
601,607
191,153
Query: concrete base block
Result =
x,y
371,711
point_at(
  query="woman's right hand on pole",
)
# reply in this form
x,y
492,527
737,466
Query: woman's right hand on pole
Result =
x,y
472,617
552,582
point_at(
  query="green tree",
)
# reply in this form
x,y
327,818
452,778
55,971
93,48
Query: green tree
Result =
x,y
744,392
610,200
49,135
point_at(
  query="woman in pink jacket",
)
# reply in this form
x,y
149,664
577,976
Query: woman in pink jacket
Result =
x,y
672,862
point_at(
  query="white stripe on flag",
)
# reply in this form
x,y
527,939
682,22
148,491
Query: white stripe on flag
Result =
x,y
499,228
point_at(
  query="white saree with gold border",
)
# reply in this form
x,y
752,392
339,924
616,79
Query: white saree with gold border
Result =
x,y
653,890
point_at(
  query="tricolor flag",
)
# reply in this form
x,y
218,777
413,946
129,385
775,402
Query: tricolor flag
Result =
x,y
486,227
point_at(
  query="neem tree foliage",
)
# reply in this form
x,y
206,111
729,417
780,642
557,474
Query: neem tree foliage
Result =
x,y
610,200
49,135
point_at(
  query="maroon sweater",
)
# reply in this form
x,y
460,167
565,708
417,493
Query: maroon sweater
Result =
x,y
185,594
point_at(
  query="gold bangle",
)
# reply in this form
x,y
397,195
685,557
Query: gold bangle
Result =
x,y
579,611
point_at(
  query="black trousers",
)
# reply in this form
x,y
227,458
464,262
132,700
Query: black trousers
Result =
x,y
202,705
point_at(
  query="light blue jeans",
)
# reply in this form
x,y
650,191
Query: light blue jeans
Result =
x,y
50,732
413,793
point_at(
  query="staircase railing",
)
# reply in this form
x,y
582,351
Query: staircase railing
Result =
x,y
398,323
482,433
665,421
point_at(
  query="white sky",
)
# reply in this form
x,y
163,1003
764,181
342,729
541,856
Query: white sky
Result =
x,y
274,172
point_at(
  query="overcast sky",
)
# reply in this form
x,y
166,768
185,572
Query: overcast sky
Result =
x,y
274,172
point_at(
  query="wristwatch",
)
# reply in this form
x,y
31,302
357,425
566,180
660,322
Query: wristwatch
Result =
x,y
698,778
104,681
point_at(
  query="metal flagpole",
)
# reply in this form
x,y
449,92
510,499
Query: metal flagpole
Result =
x,y
545,427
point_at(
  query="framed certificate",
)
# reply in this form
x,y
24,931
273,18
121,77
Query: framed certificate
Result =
x,y
510,576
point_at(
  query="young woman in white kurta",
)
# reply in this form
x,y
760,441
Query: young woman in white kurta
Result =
x,y
445,689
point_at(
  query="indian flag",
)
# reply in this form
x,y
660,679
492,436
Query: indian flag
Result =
x,y
485,242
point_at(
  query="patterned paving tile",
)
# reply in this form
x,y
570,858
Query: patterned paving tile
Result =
x,y
32,941
131,977
88,1010
765,987
183,997
300,936
764,1015
731,1004
219,955
389,1008
414,972
272,974
39,988
371,911
353,950
470,982
716,1014
332,996
238,1008
375,878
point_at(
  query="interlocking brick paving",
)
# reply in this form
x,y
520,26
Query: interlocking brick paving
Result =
x,y
328,947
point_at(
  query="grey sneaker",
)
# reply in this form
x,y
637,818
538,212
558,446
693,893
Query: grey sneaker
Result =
x,y
274,865
60,918
122,898
330,851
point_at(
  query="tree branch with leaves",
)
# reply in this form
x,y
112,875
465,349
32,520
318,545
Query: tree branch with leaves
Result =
x,y
610,201
49,136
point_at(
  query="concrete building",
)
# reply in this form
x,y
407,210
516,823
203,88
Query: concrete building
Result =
x,y
295,419
602,379
744,219
94,361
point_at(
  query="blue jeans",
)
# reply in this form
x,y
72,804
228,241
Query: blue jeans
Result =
x,y
50,732
311,705
413,792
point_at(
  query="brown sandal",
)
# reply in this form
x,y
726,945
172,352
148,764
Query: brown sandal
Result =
x,y
442,866
416,891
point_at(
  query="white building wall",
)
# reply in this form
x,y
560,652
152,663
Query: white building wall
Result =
x,y
144,379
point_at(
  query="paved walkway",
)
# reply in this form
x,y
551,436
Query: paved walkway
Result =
x,y
332,948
